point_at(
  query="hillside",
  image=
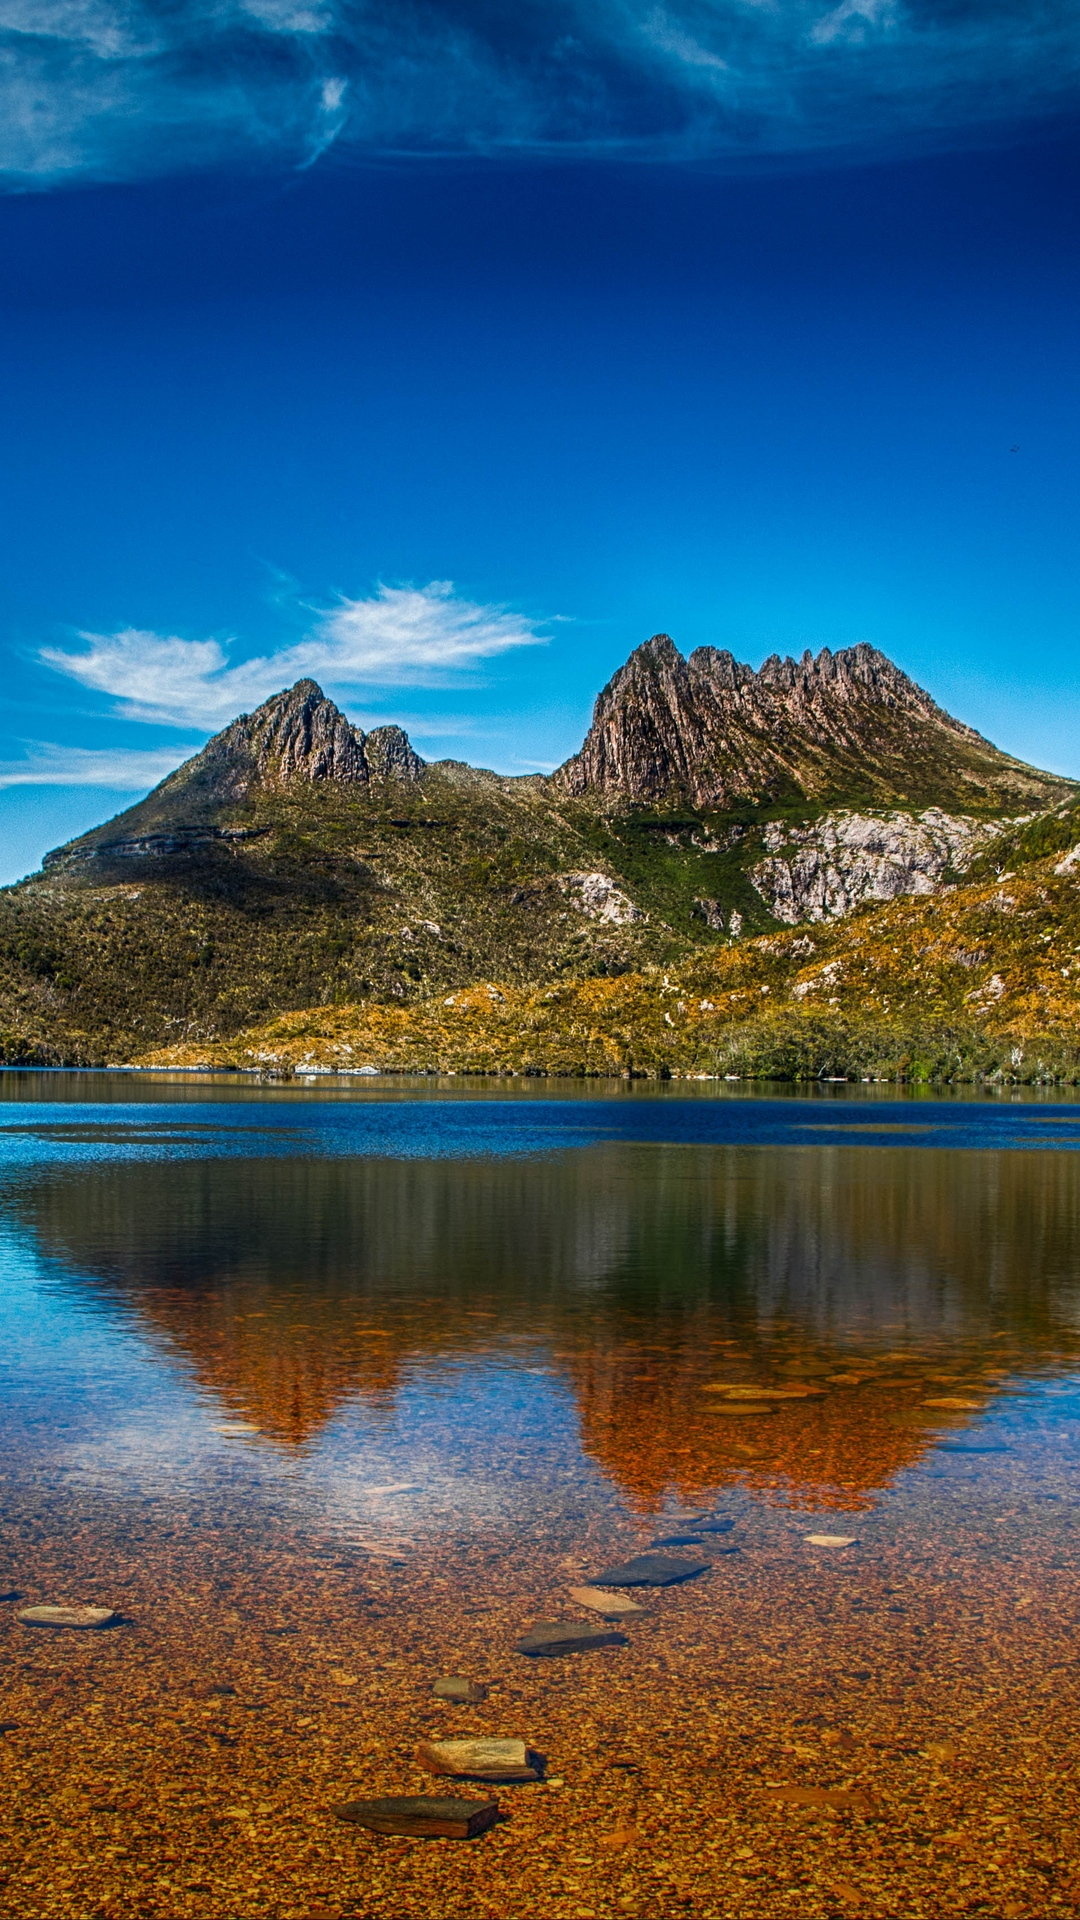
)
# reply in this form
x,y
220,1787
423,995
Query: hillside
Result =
x,y
298,861
983,979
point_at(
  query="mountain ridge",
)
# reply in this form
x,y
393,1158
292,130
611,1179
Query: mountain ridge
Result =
x,y
298,861
715,731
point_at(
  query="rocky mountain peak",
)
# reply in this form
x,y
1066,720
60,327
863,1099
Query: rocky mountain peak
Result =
x,y
298,734
710,731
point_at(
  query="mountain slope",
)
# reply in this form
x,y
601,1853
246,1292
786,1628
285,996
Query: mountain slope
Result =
x,y
981,980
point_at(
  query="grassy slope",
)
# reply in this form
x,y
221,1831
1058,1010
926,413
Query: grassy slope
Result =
x,y
339,898
982,978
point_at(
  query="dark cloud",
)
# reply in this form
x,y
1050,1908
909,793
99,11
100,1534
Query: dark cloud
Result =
x,y
123,88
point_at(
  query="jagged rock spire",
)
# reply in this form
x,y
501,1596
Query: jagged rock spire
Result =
x,y
711,731
298,734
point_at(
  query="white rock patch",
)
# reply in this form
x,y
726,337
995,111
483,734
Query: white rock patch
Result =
x,y
828,868
598,898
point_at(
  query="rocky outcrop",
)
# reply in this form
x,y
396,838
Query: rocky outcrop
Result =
x,y
390,755
297,735
826,869
597,897
710,731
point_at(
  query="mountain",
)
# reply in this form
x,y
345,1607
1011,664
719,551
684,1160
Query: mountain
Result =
x,y
299,862
299,736
713,733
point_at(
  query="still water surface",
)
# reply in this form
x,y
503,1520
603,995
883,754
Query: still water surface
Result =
x,y
332,1390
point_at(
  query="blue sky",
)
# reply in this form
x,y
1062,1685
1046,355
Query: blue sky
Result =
x,y
446,352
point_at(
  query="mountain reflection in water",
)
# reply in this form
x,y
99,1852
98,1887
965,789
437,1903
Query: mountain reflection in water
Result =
x,y
642,1276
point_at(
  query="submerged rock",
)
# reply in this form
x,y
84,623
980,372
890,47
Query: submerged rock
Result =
x,y
613,1606
464,1693
552,1637
422,1816
79,1617
651,1570
482,1759
738,1409
840,1799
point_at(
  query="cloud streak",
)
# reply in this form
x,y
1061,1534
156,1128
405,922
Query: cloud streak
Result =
x,y
124,769
401,636
121,89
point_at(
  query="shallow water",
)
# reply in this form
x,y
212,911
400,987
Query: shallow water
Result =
x,y
330,1390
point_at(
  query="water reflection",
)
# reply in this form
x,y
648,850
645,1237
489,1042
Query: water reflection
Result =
x,y
648,1277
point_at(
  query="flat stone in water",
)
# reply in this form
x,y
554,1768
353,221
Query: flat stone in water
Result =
x,y
613,1606
79,1617
738,1409
422,1816
651,1570
716,1526
830,1539
483,1759
465,1693
755,1391
841,1799
550,1638
677,1540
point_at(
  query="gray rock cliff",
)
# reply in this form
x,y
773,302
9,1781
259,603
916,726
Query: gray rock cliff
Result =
x,y
830,866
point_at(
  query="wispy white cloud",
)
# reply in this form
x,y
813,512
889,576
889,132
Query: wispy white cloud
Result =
x,y
125,769
852,20
119,89
401,636
669,38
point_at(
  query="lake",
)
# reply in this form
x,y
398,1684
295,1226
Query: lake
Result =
x,y
331,1389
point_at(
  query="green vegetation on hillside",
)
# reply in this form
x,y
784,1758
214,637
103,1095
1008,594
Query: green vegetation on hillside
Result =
x,y
332,897
981,980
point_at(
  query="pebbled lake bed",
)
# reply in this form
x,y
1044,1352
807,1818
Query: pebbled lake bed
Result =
x,y
331,1391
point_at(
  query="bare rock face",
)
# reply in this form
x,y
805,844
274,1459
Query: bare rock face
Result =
x,y
390,756
826,869
711,731
300,735
597,897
